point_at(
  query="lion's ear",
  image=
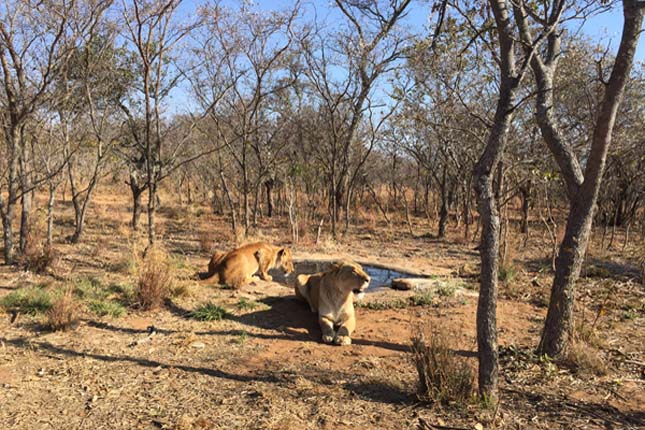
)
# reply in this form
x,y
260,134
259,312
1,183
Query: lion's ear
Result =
x,y
336,266
280,253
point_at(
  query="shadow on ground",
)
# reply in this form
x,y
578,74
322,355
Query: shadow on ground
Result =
x,y
603,415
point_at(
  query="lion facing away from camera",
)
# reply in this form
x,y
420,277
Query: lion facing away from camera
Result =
x,y
331,294
237,267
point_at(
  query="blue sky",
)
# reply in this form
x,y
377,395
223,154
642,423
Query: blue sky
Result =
x,y
607,28
604,28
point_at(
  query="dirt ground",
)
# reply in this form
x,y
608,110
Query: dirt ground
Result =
x,y
264,366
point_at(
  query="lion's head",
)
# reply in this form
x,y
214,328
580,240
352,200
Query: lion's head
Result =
x,y
285,260
350,276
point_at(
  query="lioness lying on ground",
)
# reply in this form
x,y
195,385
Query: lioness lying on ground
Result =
x,y
238,266
331,294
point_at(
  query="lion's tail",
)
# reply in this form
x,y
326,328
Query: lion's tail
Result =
x,y
212,267
213,275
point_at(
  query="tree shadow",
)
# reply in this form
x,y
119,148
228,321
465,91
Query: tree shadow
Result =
x,y
604,268
105,326
380,391
535,265
559,407
67,352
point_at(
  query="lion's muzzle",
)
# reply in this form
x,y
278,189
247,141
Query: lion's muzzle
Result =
x,y
359,292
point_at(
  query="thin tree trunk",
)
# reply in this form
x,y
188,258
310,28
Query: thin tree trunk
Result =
x,y
8,211
268,185
7,229
484,181
50,213
526,204
443,213
582,188
26,196
231,205
136,201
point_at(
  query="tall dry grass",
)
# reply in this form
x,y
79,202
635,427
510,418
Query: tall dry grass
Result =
x,y
443,375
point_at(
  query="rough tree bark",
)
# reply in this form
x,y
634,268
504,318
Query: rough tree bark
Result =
x,y
484,173
582,187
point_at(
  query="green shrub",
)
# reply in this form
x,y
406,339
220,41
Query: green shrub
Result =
x,y
106,307
27,300
90,289
507,273
422,299
209,312
446,289
243,303
377,305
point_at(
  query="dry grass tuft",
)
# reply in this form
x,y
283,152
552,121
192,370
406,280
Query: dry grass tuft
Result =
x,y
585,359
155,279
63,312
38,258
443,376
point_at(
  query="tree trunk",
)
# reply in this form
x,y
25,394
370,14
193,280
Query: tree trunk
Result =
x,y
50,213
348,202
25,211
489,248
7,230
136,201
256,203
231,204
26,197
582,188
443,212
568,264
268,185
467,220
526,205
488,213
8,209
152,207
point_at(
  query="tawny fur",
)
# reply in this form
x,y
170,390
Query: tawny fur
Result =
x,y
331,295
238,266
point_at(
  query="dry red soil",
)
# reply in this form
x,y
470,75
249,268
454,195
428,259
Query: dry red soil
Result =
x,y
264,366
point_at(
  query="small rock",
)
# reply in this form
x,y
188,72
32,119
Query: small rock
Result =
x,y
403,284
197,345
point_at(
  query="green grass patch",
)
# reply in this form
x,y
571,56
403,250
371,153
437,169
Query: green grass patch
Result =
x,y
446,289
105,307
242,337
421,299
246,304
507,273
378,305
90,289
27,300
103,300
209,312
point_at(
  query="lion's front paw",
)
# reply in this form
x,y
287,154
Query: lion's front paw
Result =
x,y
327,338
267,277
343,340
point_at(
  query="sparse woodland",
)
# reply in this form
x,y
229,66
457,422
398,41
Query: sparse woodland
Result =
x,y
491,142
